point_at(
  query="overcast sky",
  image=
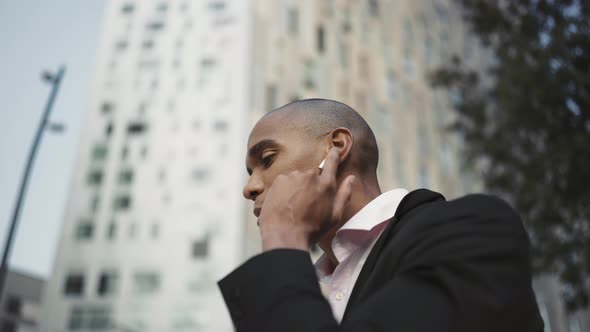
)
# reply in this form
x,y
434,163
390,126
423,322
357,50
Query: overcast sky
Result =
x,y
37,35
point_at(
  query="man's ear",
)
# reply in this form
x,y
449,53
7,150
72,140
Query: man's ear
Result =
x,y
343,140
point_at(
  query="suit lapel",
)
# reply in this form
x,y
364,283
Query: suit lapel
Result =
x,y
409,202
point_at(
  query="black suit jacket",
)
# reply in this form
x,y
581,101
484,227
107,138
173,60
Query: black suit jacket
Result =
x,y
461,265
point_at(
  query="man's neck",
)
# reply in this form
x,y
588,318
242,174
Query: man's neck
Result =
x,y
362,194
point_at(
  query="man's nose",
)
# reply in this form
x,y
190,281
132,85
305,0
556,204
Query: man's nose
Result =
x,y
253,188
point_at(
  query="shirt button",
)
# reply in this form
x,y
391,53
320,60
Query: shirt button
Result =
x,y
339,296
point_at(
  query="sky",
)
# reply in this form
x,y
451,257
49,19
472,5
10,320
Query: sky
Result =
x,y
38,35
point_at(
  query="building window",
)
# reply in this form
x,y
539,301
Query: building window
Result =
x,y
146,282
271,97
135,128
121,45
124,152
84,230
293,21
374,8
216,6
391,85
108,283
408,63
200,248
13,305
95,177
408,38
155,25
122,202
111,231
384,119
201,174
442,14
94,203
208,62
320,39
438,111
108,130
162,7
155,230
162,174
74,284
445,156
400,169
106,107
423,141
99,152
310,72
364,67
90,318
127,8
221,125
343,53
126,176
424,178
428,50
148,44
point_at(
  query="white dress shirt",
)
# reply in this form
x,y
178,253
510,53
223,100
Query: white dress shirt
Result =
x,y
351,246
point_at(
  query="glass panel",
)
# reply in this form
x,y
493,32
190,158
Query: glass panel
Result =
x,y
74,284
146,282
13,305
99,152
200,248
84,230
126,176
123,202
108,283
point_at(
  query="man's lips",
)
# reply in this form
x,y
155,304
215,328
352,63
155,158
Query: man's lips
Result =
x,y
257,211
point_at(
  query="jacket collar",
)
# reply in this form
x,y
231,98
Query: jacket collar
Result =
x,y
411,201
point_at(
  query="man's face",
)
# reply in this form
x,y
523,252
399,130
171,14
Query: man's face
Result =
x,y
277,147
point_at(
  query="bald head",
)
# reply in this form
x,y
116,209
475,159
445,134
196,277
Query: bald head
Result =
x,y
318,117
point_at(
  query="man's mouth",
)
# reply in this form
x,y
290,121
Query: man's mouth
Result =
x,y
257,211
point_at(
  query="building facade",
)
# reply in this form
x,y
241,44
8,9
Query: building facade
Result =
x,y
21,302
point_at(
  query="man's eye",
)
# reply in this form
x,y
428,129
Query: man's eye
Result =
x,y
267,161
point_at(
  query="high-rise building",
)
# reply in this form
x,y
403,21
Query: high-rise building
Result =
x,y
155,214
21,302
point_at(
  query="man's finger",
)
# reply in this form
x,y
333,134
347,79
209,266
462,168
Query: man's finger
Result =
x,y
331,165
342,197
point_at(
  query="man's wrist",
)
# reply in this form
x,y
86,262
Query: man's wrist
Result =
x,y
279,237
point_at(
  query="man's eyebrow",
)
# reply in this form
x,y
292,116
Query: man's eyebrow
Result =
x,y
257,148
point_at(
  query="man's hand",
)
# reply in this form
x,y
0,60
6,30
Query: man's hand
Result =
x,y
300,206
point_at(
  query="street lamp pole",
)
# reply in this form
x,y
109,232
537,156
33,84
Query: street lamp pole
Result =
x,y
55,81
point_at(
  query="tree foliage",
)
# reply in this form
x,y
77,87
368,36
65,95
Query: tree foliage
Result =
x,y
526,124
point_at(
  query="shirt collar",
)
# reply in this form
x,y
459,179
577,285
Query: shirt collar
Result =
x,y
362,227
380,209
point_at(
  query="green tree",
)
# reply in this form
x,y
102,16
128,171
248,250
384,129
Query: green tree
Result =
x,y
526,124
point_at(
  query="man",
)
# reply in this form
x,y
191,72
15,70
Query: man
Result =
x,y
393,261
